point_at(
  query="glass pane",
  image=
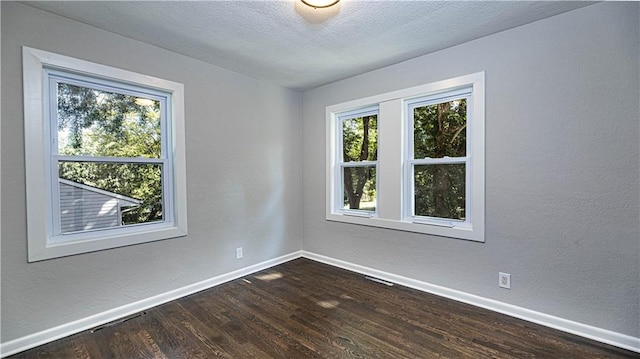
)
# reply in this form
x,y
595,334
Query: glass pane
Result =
x,y
440,191
100,123
98,195
359,188
439,130
360,139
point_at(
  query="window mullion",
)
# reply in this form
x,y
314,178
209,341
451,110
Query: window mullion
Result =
x,y
108,159
438,161
358,164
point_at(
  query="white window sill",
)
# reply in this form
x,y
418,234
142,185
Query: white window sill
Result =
x,y
363,214
459,231
57,248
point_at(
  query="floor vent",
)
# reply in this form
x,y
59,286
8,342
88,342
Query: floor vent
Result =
x,y
389,284
118,321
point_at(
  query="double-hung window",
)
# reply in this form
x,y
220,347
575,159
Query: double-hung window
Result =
x,y
357,162
437,163
104,156
429,159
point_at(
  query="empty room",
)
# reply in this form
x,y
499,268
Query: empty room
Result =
x,y
320,179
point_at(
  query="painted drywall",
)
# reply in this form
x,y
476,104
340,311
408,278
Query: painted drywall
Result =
x,y
243,140
562,172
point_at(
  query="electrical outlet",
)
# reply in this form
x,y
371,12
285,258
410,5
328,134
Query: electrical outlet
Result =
x,y
504,280
238,252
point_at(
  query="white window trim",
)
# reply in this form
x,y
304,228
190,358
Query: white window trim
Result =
x,y
37,136
392,207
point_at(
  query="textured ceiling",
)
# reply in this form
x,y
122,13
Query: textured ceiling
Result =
x,y
292,45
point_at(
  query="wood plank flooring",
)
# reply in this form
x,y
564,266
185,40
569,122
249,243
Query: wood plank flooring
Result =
x,y
305,309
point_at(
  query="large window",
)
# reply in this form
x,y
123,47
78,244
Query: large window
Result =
x,y
104,156
429,159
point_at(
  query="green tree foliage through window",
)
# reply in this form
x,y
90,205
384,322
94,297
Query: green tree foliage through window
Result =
x,y
440,132
99,123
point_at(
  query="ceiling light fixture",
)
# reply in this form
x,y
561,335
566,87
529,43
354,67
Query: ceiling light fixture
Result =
x,y
320,4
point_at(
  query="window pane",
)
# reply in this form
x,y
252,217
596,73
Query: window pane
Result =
x,y
359,188
360,139
100,123
97,195
440,191
439,130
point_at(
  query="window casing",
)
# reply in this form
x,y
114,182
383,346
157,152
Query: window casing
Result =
x,y
112,139
421,187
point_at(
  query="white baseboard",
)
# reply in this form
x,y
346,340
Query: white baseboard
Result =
x,y
584,330
64,330
602,335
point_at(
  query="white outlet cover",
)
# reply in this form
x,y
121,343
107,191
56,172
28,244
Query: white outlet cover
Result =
x,y
239,253
504,280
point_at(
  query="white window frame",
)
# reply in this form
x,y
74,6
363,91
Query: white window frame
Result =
x,y
410,160
340,164
394,207
44,238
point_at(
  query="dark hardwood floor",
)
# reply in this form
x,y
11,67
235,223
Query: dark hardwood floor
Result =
x,y
305,309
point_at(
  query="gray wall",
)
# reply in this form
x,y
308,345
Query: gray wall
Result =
x,y
243,168
562,174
